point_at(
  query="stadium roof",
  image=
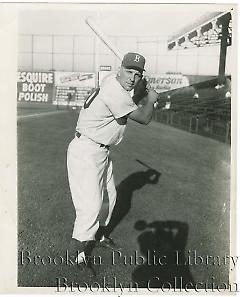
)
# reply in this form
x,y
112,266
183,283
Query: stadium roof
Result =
x,y
205,18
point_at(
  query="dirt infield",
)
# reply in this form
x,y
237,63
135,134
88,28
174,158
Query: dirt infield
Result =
x,y
182,217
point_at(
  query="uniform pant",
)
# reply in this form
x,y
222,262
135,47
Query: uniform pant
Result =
x,y
89,174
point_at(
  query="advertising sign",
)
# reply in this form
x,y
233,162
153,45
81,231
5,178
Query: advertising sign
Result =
x,y
75,79
35,86
166,82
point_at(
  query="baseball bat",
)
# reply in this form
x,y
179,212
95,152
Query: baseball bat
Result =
x,y
105,39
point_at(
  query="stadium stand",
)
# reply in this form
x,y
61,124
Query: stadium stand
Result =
x,y
203,108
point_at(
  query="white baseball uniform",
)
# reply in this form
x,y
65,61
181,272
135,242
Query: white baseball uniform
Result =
x,y
101,122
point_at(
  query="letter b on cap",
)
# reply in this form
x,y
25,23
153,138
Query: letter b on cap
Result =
x,y
137,58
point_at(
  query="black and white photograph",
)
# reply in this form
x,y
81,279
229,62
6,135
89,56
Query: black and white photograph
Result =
x,y
122,195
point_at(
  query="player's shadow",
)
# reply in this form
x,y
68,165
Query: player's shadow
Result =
x,y
162,244
125,191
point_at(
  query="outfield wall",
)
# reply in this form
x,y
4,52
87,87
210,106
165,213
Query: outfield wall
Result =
x,y
72,88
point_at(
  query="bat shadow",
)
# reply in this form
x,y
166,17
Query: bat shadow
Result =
x,y
162,243
125,191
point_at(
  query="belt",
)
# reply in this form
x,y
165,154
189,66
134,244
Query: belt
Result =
x,y
78,134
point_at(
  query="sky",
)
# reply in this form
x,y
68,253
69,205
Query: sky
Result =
x,y
114,19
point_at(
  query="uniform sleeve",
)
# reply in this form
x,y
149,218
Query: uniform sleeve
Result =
x,y
119,102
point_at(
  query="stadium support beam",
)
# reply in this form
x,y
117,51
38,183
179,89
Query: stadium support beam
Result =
x,y
223,47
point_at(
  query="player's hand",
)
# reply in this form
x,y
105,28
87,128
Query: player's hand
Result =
x,y
140,91
152,96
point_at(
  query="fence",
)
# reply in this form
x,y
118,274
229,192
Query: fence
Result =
x,y
87,53
208,116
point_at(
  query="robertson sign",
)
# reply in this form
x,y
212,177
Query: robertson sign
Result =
x,y
166,82
35,86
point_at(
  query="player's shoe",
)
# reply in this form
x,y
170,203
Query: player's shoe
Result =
x,y
107,242
82,250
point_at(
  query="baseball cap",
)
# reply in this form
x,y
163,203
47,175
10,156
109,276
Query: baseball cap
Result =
x,y
134,61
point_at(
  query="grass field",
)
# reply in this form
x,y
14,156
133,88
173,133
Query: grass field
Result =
x,y
25,108
188,205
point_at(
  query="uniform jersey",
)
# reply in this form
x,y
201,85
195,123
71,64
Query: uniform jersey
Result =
x,y
104,121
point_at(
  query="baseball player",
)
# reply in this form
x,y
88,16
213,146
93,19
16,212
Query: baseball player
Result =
x,y
101,124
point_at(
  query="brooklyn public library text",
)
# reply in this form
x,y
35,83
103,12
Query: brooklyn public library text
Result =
x,y
151,258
